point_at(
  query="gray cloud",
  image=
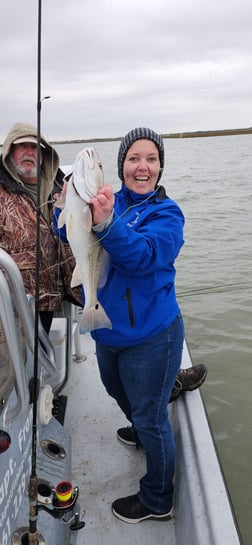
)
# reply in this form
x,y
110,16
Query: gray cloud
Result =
x,y
109,66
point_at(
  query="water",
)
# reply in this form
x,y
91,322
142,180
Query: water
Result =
x,y
211,180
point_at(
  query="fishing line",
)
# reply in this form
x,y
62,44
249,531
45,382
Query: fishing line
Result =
x,y
125,212
49,201
110,226
221,288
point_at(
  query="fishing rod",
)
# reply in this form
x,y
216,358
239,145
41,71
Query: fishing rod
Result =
x,y
33,536
64,505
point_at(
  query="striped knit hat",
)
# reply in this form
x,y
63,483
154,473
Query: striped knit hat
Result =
x,y
139,134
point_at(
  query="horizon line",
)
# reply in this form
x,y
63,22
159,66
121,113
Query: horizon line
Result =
x,y
185,134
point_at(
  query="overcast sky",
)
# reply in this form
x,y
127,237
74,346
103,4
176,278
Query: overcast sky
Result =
x,y
112,65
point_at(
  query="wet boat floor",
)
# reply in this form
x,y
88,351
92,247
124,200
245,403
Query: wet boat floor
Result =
x,y
104,468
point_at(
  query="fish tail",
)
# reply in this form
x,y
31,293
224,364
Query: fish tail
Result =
x,y
94,317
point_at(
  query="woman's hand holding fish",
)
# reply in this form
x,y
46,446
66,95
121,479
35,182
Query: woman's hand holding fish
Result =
x,y
102,204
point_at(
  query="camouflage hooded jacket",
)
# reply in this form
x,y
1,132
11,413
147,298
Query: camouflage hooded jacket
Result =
x,y
18,216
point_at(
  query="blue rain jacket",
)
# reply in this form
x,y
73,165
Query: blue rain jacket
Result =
x,y
143,241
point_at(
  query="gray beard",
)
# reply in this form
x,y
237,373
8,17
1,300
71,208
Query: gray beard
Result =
x,y
22,172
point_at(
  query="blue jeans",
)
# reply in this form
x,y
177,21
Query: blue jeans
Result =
x,y
141,378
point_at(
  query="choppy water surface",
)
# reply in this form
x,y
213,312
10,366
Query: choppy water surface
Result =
x,y
211,179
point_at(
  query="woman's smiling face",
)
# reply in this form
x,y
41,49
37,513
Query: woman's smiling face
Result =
x,y
141,167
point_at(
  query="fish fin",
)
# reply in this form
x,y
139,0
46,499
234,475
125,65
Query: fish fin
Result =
x,y
94,317
76,278
62,219
87,219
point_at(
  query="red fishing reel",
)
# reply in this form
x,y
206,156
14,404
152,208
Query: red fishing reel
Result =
x,y
60,503
63,494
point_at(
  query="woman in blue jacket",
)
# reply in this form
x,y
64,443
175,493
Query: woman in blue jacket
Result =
x,y
141,228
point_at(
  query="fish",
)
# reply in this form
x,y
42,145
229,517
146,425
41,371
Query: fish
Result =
x,y
82,185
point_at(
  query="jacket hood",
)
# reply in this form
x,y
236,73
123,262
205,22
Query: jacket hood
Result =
x,y
50,158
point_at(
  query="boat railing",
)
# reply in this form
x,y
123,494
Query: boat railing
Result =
x,y
8,323
17,307
24,308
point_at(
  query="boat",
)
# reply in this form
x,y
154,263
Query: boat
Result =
x,y
81,467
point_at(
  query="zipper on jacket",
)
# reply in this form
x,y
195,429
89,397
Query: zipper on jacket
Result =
x,y
128,298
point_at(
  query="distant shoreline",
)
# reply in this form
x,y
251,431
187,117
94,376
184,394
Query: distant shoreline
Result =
x,y
194,134
186,134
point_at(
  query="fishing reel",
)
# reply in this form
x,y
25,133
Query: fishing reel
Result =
x,y
59,502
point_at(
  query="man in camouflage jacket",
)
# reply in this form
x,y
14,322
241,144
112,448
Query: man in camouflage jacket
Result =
x,y
18,216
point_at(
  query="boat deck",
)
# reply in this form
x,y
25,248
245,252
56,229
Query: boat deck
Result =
x,y
104,468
